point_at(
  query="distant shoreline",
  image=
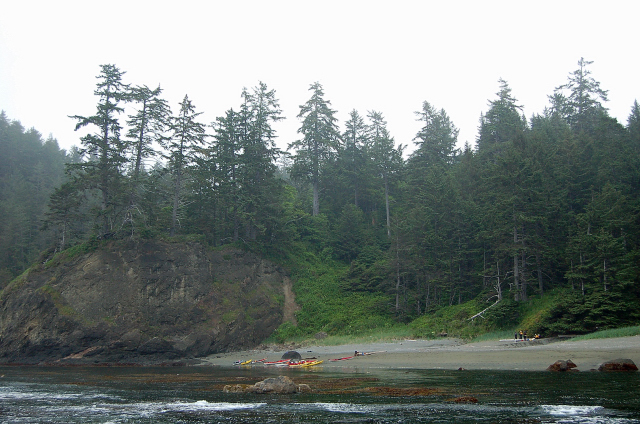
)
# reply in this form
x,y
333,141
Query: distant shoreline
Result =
x,y
453,354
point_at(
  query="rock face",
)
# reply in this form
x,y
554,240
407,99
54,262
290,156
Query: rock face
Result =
x,y
561,366
142,301
618,365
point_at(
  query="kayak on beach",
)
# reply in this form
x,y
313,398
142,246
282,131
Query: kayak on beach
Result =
x,y
250,362
243,362
342,359
356,354
280,362
304,364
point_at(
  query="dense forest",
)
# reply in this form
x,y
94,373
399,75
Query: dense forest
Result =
x,y
30,169
546,203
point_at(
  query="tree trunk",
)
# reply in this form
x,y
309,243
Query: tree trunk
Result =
x,y
236,221
498,283
397,280
316,198
176,203
316,178
539,272
386,199
136,171
428,297
176,194
523,276
581,279
604,274
516,275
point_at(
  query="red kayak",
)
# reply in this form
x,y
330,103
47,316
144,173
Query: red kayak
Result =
x,y
342,359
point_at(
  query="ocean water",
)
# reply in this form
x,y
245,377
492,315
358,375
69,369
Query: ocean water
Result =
x,y
195,395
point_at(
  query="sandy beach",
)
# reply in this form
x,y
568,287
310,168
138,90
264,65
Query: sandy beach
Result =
x,y
448,353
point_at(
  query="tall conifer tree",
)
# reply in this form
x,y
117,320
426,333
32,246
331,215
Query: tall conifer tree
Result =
x,y
105,150
319,140
187,136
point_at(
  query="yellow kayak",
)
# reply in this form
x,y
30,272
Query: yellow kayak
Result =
x,y
305,364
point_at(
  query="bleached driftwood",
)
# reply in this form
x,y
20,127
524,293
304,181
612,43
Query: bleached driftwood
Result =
x,y
479,314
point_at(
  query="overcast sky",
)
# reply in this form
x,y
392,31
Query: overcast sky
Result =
x,y
387,56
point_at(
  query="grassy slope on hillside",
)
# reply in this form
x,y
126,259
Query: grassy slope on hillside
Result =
x,y
327,304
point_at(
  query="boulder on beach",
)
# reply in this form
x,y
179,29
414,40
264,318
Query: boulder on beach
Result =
x,y
561,366
292,354
618,365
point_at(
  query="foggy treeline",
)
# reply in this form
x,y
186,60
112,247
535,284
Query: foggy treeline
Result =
x,y
538,203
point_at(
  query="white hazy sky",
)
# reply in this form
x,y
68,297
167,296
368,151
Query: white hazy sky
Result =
x,y
387,56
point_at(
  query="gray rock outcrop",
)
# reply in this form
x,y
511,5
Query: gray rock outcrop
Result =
x,y
141,301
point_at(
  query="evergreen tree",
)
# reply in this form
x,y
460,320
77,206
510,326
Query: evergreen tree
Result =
x,y
633,126
386,158
187,137
502,147
501,124
582,107
259,154
147,127
105,150
226,153
430,209
64,213
354,153
436,140
319,141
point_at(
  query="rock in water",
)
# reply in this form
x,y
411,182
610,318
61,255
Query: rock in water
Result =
x,y
276,385
618,365
561,366
279,385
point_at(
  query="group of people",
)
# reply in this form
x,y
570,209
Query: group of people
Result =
x,y
522,335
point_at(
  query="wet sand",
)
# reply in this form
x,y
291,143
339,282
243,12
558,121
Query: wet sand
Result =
x,y
448,353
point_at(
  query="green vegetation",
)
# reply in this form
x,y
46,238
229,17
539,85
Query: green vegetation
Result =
x,y
614,332
372,335
326,305
73,252
230,316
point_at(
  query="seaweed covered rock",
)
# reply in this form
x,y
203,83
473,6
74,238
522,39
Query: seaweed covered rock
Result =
x,y
618,365
562,366
275,385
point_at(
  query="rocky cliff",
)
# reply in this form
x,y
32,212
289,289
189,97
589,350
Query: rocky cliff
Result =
x,y
142,301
